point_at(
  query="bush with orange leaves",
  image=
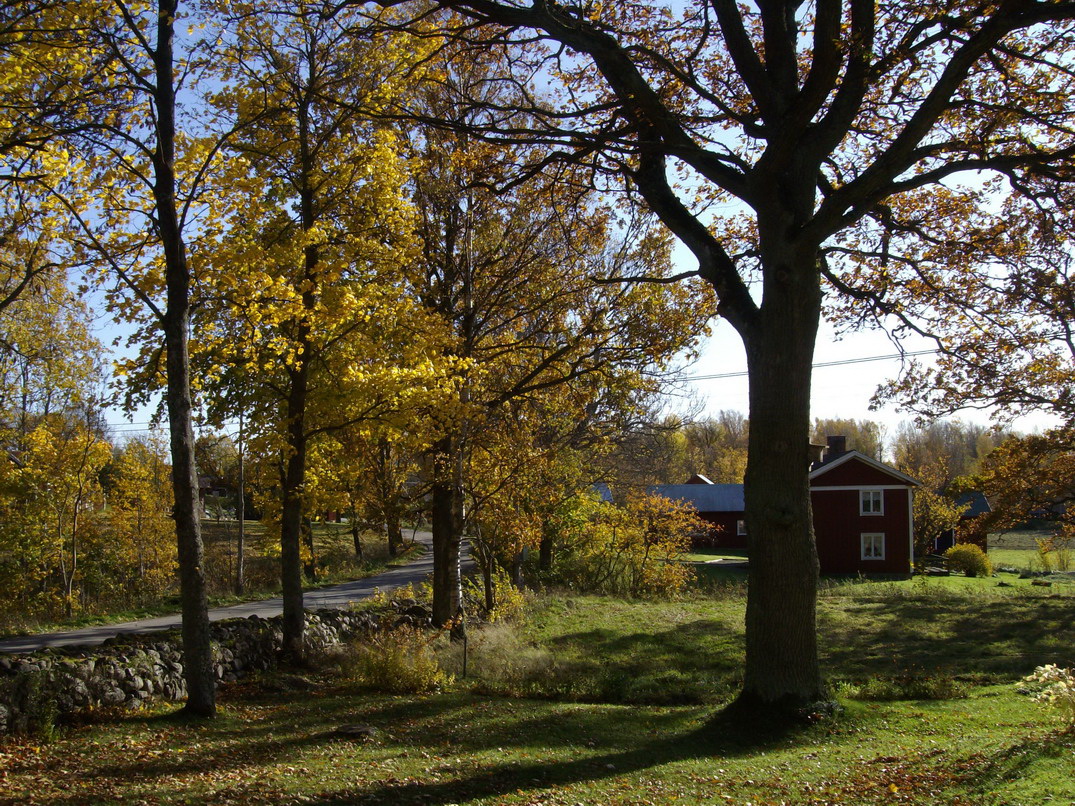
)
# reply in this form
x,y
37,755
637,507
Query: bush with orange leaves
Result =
x,y
629,549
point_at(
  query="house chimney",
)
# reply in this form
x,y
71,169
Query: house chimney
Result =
x,y
817,453
837,447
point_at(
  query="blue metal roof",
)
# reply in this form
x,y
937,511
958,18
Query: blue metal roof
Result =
x,y
976,501
704,497
603,491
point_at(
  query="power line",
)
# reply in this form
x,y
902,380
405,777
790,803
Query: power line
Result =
x,y
821,365
126,427
148,427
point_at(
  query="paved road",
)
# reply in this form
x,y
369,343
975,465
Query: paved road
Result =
x,y
323,598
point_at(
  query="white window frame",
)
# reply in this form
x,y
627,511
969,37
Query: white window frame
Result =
x,y
741,527
871,497
871,540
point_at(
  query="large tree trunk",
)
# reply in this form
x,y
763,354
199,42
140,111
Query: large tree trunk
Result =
x,y
389,497
240,545
545,549
447,523
782,666
197,652
293,619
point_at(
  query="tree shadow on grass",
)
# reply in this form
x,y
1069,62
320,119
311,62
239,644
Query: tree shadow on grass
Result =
x,y
999,639
694,663
1013,763
560,745
728,734
691,645
234,741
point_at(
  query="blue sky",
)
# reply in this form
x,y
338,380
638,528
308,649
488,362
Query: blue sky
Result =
x,y
838,391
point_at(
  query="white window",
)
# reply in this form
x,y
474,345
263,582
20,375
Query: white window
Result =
x,y
871,502
740,527
873,546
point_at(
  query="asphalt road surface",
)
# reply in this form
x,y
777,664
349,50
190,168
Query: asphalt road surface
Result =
x,y
338,596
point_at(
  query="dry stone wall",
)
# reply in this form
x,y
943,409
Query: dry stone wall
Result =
x,y
128,671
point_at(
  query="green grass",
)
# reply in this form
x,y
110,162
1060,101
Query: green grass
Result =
x,y
1030,560
667,652
613,650
958,626
626,707
990,749
1015,558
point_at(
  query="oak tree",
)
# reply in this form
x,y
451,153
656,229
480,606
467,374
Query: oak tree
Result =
x,y
520,277
795,149
1028,477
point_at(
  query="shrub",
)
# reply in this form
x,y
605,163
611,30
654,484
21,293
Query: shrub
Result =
x,y
630,550
422,593
500,661
1054,552
399,661
509,601
969,559
1054,686
409,594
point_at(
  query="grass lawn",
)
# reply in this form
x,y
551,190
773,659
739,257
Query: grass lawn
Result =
x,y
990,749
597,700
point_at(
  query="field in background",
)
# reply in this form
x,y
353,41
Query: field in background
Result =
x,y
1019,550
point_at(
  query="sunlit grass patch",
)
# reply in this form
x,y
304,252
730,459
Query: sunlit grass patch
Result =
x,y
464,748
603,700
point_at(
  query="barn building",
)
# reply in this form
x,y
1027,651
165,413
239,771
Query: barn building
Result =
x,y
863,520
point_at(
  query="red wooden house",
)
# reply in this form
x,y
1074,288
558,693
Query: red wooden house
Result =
x,y
863,521
718,504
